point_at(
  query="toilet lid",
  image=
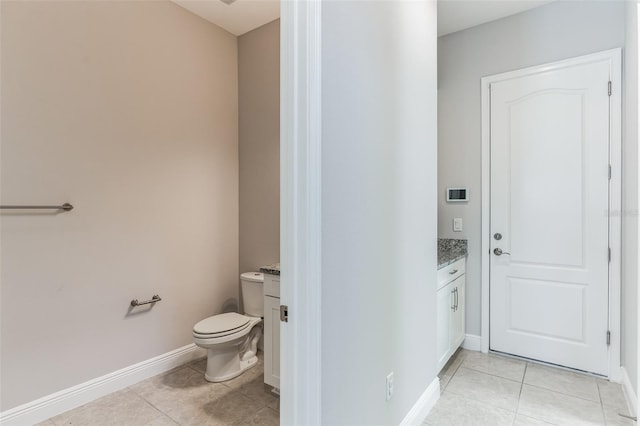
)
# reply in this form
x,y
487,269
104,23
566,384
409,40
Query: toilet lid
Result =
x,y
221,323
254,277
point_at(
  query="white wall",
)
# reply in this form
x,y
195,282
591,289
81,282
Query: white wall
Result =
x,y
556,31
259,146
630,198
128,110
378,208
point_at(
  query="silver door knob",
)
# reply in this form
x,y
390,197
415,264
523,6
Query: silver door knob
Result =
x,y
499,252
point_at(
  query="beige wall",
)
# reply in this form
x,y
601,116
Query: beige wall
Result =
x,y
259,142
128,110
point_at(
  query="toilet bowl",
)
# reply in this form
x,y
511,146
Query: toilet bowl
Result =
x,y
231,339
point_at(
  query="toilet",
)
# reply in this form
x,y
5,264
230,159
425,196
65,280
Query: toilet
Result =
x,y
231,339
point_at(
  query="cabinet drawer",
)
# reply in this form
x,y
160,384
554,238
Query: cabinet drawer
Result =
x,y
450,272
271,285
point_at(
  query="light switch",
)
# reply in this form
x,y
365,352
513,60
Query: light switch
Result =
x,y
457,224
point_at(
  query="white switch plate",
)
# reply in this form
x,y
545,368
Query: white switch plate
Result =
x,y
389,386
457,224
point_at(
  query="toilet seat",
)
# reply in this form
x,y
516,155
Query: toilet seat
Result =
x,y
230,325
221,323
231,339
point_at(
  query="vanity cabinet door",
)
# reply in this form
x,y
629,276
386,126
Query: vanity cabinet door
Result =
x,y
457,317
272,341
445,305
451,318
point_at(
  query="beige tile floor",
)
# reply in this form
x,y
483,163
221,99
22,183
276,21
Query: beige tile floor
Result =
x,y
492,390
182,397
477,390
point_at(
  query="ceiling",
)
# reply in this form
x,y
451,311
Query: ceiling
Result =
x,y
242,16
456,15
238,17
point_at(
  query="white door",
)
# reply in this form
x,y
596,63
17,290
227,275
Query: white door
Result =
x,y
550,207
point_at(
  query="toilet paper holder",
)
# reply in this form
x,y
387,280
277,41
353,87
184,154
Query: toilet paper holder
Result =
x,y
154,299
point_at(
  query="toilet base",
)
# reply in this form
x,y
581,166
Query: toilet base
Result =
x,y
235,367
226,361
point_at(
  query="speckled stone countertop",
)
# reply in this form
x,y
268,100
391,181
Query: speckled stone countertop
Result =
x,y
273,269
450,250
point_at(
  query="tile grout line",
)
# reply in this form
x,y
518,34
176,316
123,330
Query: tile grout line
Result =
x,y
238,390
604,414
83,407
601,402
490,374
162,413
187,365
524,374
515,413
501,357
190,369
565,394
154,406
595,380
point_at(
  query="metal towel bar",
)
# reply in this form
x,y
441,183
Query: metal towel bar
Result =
x,y
154,299
66,207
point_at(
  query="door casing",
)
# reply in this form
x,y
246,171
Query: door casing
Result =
x,y
614,56
300,212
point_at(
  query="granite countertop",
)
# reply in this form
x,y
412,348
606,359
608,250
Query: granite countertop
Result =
x,y
450,250
273,269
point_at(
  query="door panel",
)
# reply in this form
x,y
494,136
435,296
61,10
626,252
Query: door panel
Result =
x,y
537,163
562,300
550,202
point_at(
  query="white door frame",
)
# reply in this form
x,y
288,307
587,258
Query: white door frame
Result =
x,y
636,98
300,220
635,404
615,198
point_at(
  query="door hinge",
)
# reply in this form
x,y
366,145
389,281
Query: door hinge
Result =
x,y
284,313
609,171
609,88
609,254
608,337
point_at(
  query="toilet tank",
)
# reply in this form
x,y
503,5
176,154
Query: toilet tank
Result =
x,y
252,296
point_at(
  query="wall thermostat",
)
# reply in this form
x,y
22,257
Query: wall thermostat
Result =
x,y
456,195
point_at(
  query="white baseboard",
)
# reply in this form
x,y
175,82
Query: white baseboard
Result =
x,y
423,405
472,342
629,393
67,399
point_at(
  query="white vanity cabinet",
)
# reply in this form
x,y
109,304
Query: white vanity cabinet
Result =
x,y
451,310
272,330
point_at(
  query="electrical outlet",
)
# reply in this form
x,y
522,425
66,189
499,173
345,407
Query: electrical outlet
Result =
x,y
457,224
389,385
